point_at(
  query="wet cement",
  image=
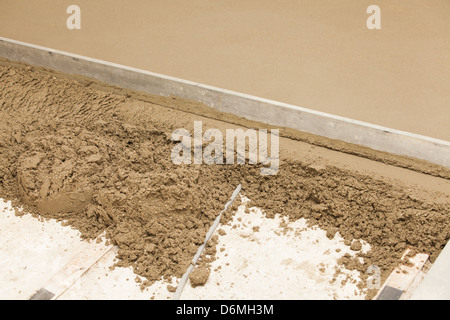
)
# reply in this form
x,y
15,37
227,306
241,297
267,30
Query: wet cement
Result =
x,y
99,158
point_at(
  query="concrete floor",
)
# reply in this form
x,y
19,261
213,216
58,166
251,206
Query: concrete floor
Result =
x,y
30,258
283,260
31,252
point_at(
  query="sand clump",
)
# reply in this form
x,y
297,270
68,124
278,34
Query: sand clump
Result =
x,y
199,276
101,162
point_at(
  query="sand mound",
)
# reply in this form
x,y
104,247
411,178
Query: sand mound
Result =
x,y
101,161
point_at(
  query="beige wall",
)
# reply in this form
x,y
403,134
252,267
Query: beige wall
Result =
x,y
313,53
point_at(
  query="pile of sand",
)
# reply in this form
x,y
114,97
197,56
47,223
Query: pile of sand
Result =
x,y
101,161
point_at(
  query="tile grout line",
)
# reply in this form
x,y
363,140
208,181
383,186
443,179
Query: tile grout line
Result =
x,y
208,236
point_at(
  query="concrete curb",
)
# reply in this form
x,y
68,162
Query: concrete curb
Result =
x,y
250,107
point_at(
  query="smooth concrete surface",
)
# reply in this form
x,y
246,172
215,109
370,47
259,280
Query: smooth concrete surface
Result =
x,y
317,54
250,107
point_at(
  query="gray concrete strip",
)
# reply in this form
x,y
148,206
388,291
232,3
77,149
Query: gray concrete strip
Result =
x,y
42,294
390,293
250,107
436,284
